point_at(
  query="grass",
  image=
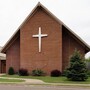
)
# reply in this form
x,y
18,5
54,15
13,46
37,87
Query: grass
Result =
x,y
10,80
49,79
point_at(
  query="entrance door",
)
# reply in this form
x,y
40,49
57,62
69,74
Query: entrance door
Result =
x,y
3,66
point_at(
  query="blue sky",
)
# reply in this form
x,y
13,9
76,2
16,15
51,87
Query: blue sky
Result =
x,y
74,13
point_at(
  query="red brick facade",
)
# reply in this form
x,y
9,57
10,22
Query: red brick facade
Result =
x,y
51,56
13,56
56,47
69,44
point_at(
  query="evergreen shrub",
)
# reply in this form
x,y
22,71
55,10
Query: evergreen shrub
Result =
x,y
11,71
77,70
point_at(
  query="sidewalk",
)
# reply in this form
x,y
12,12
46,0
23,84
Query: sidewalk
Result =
x,y
27,81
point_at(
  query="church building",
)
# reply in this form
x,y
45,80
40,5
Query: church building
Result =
x,y
42,42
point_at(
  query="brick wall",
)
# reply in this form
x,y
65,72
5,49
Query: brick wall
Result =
x,y
13,56
51,56
69,44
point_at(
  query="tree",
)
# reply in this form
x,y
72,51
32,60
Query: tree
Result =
x,y
77,70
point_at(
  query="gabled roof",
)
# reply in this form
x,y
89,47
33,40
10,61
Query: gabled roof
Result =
x,y
87,47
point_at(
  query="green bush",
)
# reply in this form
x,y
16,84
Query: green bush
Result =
x,y
55,73
77,70
37,72
11,71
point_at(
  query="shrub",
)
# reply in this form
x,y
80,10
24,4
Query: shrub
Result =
x,y
11,71
37,72
23,72
77,70
55,73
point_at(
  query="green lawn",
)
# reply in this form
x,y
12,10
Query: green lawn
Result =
x,y
10,80
49,79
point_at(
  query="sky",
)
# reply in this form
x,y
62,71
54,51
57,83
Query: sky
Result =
x,y
74,13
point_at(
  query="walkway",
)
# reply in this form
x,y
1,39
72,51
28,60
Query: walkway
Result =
x,y
27,81
40,82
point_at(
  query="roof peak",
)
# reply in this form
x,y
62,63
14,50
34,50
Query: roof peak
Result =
x,y
39,4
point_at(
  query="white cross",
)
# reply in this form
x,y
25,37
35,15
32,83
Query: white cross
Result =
x,y
39,36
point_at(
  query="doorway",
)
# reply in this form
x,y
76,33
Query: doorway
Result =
x,y
3,66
